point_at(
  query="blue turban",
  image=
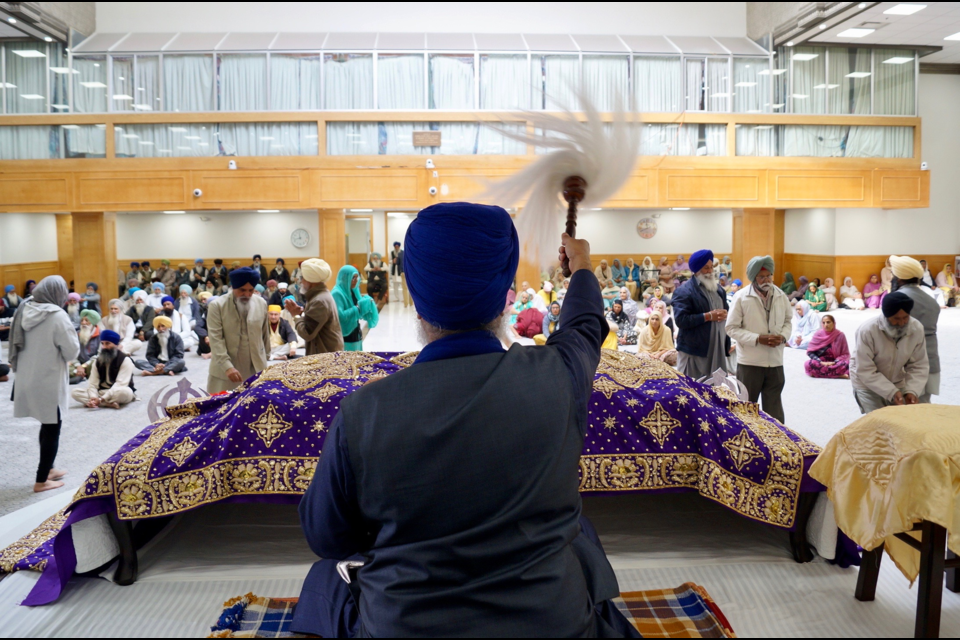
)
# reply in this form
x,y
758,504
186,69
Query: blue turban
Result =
x,y
482,241
737,282
186,288
134,264
700,259
9,288
293,298
158,285
90,285
198,261
133,290
244,276
110,336
166,299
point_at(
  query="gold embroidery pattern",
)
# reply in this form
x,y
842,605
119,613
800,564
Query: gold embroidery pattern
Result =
x,y
305,373
182,451
270,426
31,543
373,377
405,360
187,408
606,386
326,392
632,371
659,423
742,449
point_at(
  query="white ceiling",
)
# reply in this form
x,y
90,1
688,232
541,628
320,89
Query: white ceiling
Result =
x,y
927,27
8,31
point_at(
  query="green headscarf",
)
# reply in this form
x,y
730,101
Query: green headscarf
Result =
x,y
353,305
789,284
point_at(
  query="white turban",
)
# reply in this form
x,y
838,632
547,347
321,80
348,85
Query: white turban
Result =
x,y
905,267
315,270
140,296
283,285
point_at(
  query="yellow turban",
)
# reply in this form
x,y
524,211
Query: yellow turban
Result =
x,y
315,270
905,267
162,320
274,308
203,295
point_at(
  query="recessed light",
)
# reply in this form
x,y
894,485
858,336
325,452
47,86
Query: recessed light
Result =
x,y
12,20
855,33
96,64
897,60
60,106
775,72
268,210
47,39
779,106
29,53
121,78
7,85
858,74
361,210
63,70
799,96
804,57
905,9
790,44
174,213
122,96
93,85
192,138
826,86
745,84
143,107
955,36
823,26
31,96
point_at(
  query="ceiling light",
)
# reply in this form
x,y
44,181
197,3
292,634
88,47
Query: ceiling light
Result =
x,y
763,127
790,44
804,57
905,9
858,74
121,78
12,20
31,96
855,33
93,85
396,215
60,106
122,96
826,86
7,85
143,107
361,210
955,36
767,72
96,64
823,26
268,210
192,138
799,96
745,84
63,70
178,129
47,39
140,89
174,213
779,106
897,60
69,126
29,53
862,5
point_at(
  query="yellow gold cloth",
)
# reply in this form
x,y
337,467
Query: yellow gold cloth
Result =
x,y
891,469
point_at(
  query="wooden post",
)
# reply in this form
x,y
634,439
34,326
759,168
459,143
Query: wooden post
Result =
x,y
95,251
757,232
333,240
930,582
65,246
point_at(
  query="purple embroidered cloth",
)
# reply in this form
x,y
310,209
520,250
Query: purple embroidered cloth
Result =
x,y
650,429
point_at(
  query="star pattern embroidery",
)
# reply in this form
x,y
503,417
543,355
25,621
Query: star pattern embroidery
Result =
x,y
222,410
319,427
704,426
610,423
326,392
299,404
682,401
249,400
224,434
606,386
373,377
722,421
659,423
632,402
270,425
742,449
183,450
274,392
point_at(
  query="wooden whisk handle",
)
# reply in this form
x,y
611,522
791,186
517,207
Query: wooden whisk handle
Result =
x,y
574,190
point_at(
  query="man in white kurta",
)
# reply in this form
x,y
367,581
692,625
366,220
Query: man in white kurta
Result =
x,y
117,320
109,383
239,332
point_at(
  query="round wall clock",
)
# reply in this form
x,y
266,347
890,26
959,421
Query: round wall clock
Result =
x,y
647,228
300,238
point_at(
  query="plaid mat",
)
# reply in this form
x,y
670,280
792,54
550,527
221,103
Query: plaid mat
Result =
x,y
685,612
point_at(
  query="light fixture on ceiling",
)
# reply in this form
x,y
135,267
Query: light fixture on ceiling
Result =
x,y
855,33
905,9
898,60
70,126
775,72
7,85
174,213
29,53
858,74
62,107
131,136
790,44
805,57
63,70
799,96
31,96
122,97
680,209
12,20
93,85
268,210
822,26
47,39
361,210
955,36
826,86
191,137
396,214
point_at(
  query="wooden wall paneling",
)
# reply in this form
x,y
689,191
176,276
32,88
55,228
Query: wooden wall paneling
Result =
x,y
757,232
34,192
12,275
779,220
251,189
901,189
17,274
861,267
65,246
812,266
332,241
639,191
461,185
399,188
792,189
712,188
736,257
132,191
95,251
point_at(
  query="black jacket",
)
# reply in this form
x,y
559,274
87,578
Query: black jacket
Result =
x,y
689,305
174,349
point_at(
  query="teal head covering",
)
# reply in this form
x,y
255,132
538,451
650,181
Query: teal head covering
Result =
x,y
352,306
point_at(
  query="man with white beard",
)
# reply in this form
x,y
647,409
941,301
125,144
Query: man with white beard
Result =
x,y
73,309
760,322
889,365
142,315
155,299
181,326
89,336
116,320
110,383
164,351
239,332
700,311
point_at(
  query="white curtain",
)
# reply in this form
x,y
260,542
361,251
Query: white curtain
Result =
x,y
166,140
809,95
693,84
844,94
188,83
657,85
668,140
29,143
348,81
606,79
492,142
84,140
456,138
400,81
147,96
122,97
451,82
756,140
505,82
268,139
242,82
895,92
396,138
29,76
718,85
87,99
561,80
294,82
353,138
59,94
751,94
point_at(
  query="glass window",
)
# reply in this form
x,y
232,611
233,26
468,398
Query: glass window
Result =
x,y
751,87
809,71
400,81
504,82
146,96
294,82
683,140
451,82
165,140
845,142
717,87
49,142
848,81
352,139
60,73
348,81
606,79
242,82
693,81
268,139
83,140
122,98
780,77
89,84
756,140
657,84
26,77
895,93
492,141
188,82
559,78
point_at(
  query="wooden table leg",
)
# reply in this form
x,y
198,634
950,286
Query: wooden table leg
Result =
x,y
798,537
869,573
930,582
953,584
127,569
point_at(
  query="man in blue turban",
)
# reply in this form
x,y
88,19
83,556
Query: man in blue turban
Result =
x,y
700,311
239,331
110,381
457,494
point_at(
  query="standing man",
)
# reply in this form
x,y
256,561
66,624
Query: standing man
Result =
x,y
889,365
110,383
700,311
260,269
396,269
907,273
318,321
760,322
239,332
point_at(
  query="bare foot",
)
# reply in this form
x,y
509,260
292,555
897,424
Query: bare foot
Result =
x,y
206,356
171,373
49,485
147,373
56,474
280,357
111,405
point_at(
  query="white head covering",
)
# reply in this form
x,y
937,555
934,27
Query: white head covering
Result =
x,y
315,270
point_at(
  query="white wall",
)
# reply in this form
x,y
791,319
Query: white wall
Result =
x,y
678,231
227,235
810,231
396,232
28,237
358,235
643,18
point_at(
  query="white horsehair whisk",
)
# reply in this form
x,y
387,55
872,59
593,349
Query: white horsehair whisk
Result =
x,y
591,160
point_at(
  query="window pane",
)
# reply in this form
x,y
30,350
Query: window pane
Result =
x,y
27,73
84,140
751,87
294,82
147,85
89,84
29,143
269,139
849,142
560,78
348,81
243,82
780,76
59,79
693,84
451,82
352,138
809,71
657,85
400,81
717,87
123,84
165,140
848,81
606,79
504,82
493,142
896,82
756,140
188,83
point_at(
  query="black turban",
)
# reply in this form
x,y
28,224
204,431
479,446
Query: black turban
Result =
x,y
895,302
